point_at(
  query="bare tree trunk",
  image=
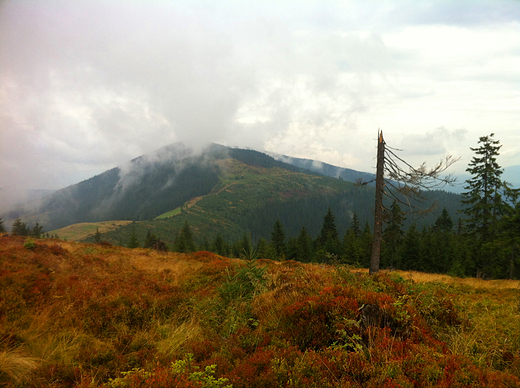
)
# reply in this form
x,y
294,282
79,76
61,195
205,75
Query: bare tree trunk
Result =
x,y
378,211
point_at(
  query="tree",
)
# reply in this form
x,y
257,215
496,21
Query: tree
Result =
x,y
482,196
19,228
444,223
393,235
97,236
36,231
184,242
488,202
355,225
304,251
329,238
133,242
2,228
404,183
278,239
219,245
150,240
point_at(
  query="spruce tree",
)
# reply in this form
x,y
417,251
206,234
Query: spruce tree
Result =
x,y
484,205
184,242
355,226
219,246
304,251
444,223
329,238
482,198
278,239
36,231
133,242
150,240
19,228
392,236
97,236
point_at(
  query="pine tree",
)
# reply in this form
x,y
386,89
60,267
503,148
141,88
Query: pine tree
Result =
x,y
278,239
2,228
133,242
219,246
485,205
19,228
351,251
150,240
411,251
261,248
329,238
392,236
36,231
97,236
304,251
444,223
482,197
184,242
355,226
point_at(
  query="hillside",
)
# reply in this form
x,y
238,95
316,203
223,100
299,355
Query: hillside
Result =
x,y
249,199
223,190
91,315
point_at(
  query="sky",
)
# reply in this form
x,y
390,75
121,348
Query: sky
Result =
x,y
86,86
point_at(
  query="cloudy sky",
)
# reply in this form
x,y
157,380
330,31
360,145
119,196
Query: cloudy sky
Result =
x,y
88,85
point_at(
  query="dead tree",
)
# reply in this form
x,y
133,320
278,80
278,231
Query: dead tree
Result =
x,y
398,180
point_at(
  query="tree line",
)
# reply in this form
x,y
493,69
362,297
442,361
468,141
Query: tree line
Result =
x,y
483,242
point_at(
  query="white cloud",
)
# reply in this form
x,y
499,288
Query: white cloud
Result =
x,y
85,86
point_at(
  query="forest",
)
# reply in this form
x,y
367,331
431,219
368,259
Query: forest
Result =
x,y
480,237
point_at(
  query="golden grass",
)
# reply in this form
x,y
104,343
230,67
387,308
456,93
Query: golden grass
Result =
x,y
15,366
422,277
173,336
76,232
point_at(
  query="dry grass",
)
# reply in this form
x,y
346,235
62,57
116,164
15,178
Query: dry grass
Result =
x,y
15,366
173,336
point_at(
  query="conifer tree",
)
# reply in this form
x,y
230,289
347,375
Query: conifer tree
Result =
x,y
133,242
485,205
482,196
219,246
329,238
36,231
444,223
261,248
150,240
278,239
19,228
393,235
97,236
304,251
2,228
355,225
184,242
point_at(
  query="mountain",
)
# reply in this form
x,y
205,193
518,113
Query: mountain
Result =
x,y
326,169
222,190
512,175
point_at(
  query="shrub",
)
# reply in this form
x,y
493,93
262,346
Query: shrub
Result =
x,y
29,244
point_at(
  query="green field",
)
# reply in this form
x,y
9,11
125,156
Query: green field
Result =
x,y
169,214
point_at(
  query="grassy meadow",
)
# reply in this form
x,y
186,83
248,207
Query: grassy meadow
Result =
x,y
96,315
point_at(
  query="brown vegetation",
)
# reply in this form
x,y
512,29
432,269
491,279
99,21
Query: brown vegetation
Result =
x,y
88,315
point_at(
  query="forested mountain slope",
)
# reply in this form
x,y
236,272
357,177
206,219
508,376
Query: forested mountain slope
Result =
x,y
221,190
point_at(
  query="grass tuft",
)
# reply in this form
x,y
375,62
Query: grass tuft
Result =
x,y
15,366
